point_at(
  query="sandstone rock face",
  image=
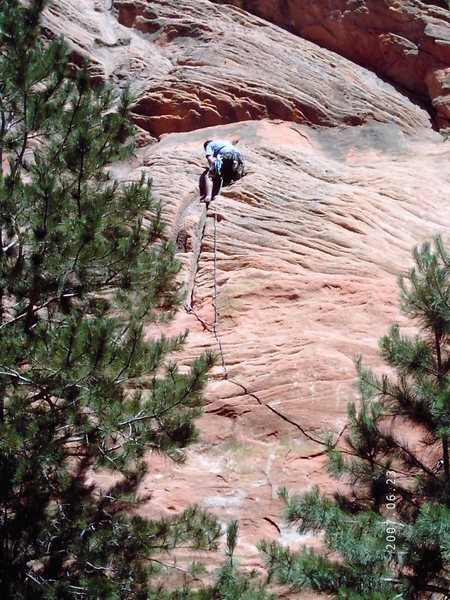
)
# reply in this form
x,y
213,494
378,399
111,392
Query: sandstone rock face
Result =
x,y
407,41
193,65
344,176
308,247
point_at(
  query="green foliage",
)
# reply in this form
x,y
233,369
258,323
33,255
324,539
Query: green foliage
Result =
x,y
232,531
389,531
85,267
230,584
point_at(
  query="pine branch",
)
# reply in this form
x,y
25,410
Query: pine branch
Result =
x,y
405,450
36,309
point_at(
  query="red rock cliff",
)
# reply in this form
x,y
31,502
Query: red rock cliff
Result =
x,y
345,175
407,41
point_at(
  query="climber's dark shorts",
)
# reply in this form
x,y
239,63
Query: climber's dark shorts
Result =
x,y
230,166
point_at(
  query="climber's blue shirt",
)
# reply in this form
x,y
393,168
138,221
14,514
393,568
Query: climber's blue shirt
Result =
x,y
216,147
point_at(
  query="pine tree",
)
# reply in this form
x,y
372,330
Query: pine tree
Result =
x,y
231,582
389,533
84,266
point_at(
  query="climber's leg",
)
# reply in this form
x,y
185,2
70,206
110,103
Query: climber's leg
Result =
x,y
209,184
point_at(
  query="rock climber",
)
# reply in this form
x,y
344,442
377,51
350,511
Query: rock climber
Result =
x,y
224,162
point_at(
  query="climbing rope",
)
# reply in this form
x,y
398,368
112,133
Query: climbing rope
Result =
x,y
216,314
216,332
217,336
